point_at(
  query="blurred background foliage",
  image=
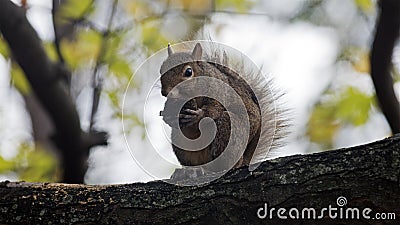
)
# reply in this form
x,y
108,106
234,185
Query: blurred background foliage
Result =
x,y
109,39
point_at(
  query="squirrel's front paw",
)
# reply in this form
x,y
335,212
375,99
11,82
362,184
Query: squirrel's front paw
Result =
x,y
188,173
189,117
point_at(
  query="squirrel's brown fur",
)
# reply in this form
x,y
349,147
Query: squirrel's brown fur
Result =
x,y
254,93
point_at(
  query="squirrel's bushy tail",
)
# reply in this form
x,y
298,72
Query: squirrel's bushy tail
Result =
x,y
274,116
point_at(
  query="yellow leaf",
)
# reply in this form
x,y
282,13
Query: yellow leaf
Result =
x,y
358,57
361,62
138,9
367,6
197,6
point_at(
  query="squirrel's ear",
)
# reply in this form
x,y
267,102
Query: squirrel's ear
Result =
x,y
170,52
197,52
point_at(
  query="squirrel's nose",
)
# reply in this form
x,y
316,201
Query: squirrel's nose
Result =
x,y
164,93
174,93
170,92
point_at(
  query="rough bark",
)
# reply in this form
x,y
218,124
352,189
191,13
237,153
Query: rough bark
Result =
x,y
367,176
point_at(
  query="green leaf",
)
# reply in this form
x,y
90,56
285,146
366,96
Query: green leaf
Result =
x,y
50,50
354,106
322,125
396,74
36,164
152,38
120,67
19,80
114,98
6,165
112,45
4,50
239,5
75,9
350,106
132,118
83,50
32,164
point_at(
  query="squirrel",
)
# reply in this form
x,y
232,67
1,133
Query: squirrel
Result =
x,y
264,120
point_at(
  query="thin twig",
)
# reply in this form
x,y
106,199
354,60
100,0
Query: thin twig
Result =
x,y
56,34
97,81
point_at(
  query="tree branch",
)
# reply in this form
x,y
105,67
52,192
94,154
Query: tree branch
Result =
x,y
57,36
387,31
97,80
44,77
367,176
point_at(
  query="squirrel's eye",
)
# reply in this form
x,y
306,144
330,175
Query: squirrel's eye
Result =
x,y
188,72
